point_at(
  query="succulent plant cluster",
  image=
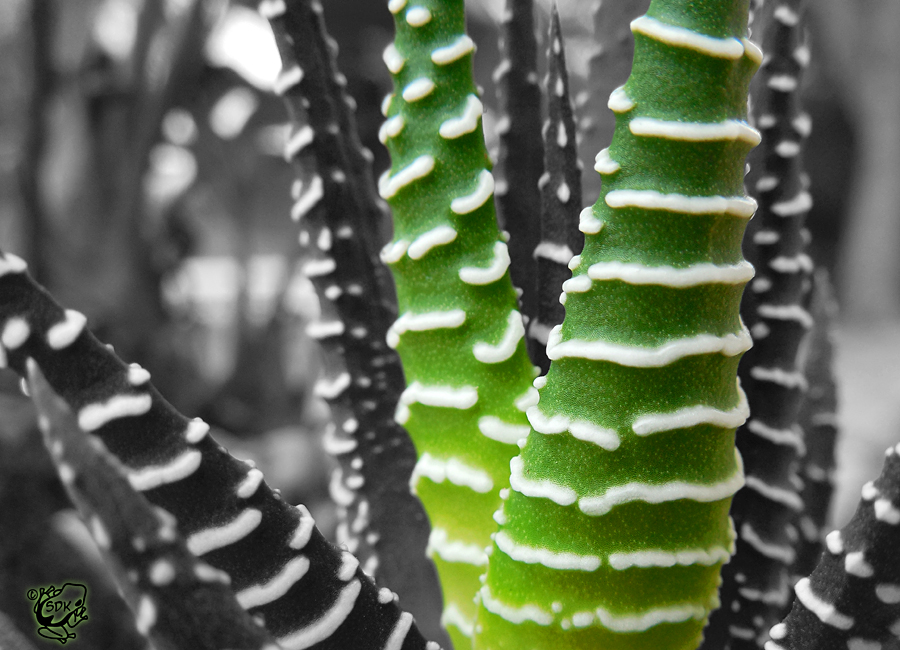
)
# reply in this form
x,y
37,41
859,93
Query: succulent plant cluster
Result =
x,y
546,413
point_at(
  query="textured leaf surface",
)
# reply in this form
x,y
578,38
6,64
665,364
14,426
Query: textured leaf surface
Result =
x,y
617,523
459,334
176,598
852,599
339,213
755,587
224,509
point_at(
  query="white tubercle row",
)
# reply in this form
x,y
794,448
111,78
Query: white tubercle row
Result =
x,y
795,264
785,497
389,185
453,615
330,388
63,334
660,558
349,564
577,284
588,223
276,587
494,271
338,490
855,564
137,376
456,127
300,139
176,469
478,197
287,79
738,206
391,128
888,593
318,330
418,89
304,530
826,612
501,70
619,101
619,561
669,276
386,104
324,242
727,130
779,596
309,199
454,470
394,251
196,431
464,397
886,511
418,16
210,539
15,332
672,491
250,484
581,429
398,634
786,313
393,59
437,236
424,322
561,137
145,617
637,622
647,357
506,347
784,83
451,550
318,267
799,204
541,488
643,621
93,416
761,285
553,559
604,164
788,379
453,52
396,6
327,624
496,429
512,613
788,149
803,124
559,253
692,416
783,553
792,437
635,491
724,48
767,183
786,16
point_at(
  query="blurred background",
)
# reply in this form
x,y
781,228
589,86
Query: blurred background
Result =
x,y
142,178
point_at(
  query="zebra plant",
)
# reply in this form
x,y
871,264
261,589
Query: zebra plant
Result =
x,y
576,465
